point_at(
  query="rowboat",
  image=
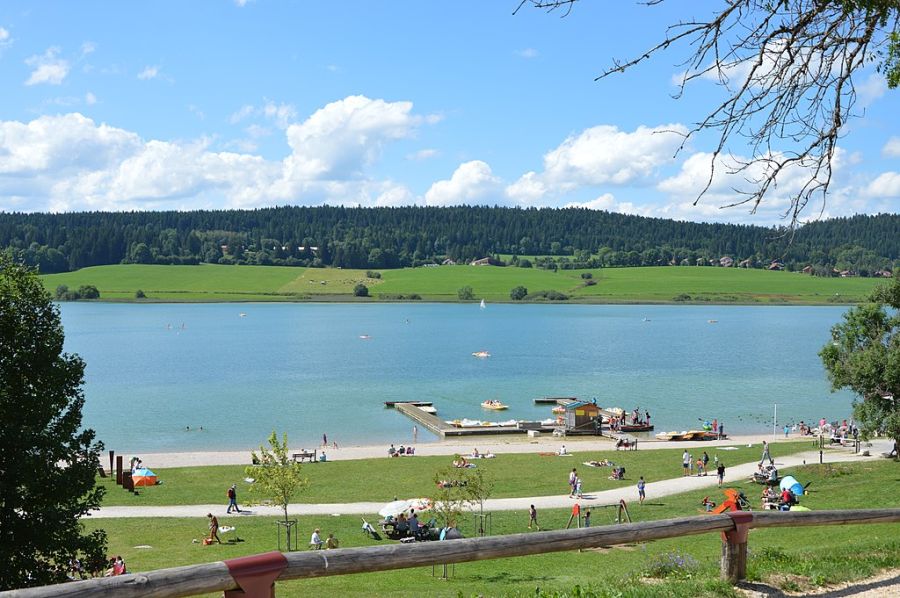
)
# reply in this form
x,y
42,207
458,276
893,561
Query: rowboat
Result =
x,y
481,354
636,428
494,404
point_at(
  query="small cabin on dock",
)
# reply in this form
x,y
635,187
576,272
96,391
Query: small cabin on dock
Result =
x,y
581,416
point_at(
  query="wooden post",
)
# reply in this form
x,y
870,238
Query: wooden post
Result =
x,y
111,455
734,547
119,470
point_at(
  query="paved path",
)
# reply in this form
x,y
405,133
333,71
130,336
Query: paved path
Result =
x,y
606,497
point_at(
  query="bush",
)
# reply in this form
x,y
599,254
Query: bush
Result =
x,y
400,297
548,295
373,274
587,275
590,283
465,294
672,564
518,293
88,291
681,297
139,294
61,291
360,290
524,263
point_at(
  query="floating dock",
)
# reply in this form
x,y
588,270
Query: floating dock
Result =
x,y
554,400
443,429
416,403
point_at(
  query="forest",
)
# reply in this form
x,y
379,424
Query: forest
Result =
x,y
331,236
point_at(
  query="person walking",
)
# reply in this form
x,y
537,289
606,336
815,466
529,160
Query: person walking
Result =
x,y
685,462
720,473
573,475
765,454
532,518
705,463
700,469
690,464
213,529
578,493
232,499
641,485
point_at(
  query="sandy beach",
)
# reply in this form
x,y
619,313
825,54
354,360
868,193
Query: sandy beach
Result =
x,y
487,444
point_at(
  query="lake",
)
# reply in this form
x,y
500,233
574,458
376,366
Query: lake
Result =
x,y
153,370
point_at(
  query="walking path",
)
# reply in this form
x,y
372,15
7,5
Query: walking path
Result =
x,y
606,497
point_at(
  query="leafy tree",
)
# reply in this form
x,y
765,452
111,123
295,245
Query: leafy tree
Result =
x,y
88,291
48,462
277,476
787,71
518,293
62,291
361,290
864,356
465,293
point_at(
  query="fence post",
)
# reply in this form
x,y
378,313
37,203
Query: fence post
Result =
x,y
734,547
255,575
119,470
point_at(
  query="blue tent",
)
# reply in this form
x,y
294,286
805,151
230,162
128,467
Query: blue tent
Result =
x,y
791,484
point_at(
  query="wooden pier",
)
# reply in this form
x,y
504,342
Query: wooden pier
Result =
x,y
554,400
416,403
443,429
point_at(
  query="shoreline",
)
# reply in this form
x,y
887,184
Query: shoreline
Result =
x,y
450,447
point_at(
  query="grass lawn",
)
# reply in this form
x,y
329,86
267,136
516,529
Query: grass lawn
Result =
x,y
382,479
614,285
790,558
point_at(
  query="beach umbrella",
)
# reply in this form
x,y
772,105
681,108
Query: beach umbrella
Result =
x,y
791,484
396,507
144,477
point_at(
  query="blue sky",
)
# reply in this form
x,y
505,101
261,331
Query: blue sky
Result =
x,y
241,104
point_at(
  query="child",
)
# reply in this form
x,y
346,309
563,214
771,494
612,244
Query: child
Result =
x,y
587,518
640,486
532,518
700,470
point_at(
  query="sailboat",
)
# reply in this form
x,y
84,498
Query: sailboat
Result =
x,y
482,304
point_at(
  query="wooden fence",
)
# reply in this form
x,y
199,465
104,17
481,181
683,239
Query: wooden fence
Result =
x,y
253,576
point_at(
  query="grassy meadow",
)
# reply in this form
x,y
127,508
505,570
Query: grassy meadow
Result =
x,y
792,559
219,283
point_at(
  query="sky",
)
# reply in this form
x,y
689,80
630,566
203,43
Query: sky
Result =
x,y
219,104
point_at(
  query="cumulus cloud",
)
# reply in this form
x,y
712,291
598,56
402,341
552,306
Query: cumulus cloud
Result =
x,y
90,99
149,72
528,53
891,149
280,113
473,183
88,48
47,68
70,162
4,36
597,156
886,184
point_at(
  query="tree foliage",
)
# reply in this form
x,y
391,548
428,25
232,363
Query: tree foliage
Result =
x,y
48,462
864,356
459,489
276,475
518,293
787,70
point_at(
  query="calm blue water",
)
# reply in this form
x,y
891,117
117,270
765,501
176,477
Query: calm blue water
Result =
x,y
304,370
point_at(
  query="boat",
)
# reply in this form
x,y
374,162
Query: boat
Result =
x,y
636,428
712,321
558,410
429,409
482,304
481,354
243,315
670,436
494,404
364,337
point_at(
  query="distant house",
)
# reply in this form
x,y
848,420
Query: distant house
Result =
x,y
580,415
847,273
807,269
726,261
884,273
747,263
311,248
485,261
448,262
776,265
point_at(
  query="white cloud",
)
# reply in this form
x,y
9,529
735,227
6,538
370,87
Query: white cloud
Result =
x,y
605,202
90,99
241,114
70,162
892,148
600,155
870,89
88,48
473,183
257,132
282,114
241,3
423,154
886,184
4,36
528,53
48,68
149,72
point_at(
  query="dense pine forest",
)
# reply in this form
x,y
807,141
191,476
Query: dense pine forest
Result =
x,y
414,236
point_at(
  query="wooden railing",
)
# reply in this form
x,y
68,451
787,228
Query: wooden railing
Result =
x,y
253,576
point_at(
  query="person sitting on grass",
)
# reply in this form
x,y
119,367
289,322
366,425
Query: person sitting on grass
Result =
x,y
315,541
331,542
213,529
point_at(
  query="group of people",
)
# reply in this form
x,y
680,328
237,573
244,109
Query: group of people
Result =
x,y
407,526
688,464
634,418
773,500
399,452
316,542
575,482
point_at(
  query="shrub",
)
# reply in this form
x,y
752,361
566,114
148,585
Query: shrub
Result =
x,y
681,297
524,263
518,293
360,290
587,275
373,274
548,295
139,294
466,293
88,291
61,291
590,283
672,565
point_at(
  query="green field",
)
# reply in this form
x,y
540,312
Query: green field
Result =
x,y
792,559
215,283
